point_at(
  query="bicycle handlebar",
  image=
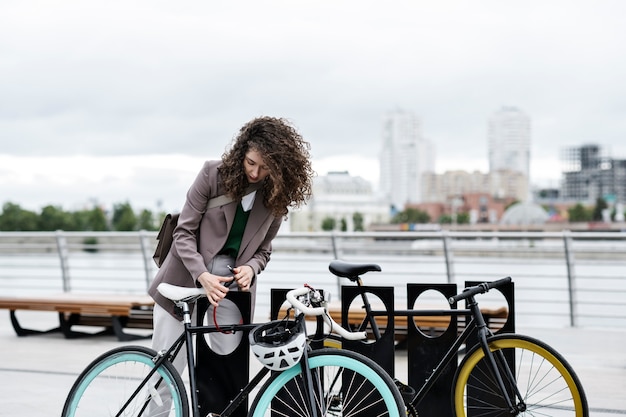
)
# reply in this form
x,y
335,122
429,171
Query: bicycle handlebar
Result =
x,y
478,289
178,294
292,298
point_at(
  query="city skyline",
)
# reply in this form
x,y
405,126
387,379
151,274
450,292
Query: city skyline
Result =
x,y
123,100
509,140
405,156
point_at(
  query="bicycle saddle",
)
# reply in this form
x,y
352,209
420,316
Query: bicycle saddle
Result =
x,y
351,270
177,294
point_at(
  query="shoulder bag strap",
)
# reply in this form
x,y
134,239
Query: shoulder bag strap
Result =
x,y
225,199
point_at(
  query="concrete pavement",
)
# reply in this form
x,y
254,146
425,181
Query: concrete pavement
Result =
x,y
36,372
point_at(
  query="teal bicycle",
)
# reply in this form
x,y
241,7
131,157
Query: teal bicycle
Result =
x,y
294,381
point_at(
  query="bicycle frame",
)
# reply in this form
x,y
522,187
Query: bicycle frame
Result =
x,y
187,337
477,324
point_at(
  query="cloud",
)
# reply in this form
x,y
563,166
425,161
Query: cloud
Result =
x,y
155,182
128,78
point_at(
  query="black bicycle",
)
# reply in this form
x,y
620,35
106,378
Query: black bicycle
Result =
x,y
502,375
294,381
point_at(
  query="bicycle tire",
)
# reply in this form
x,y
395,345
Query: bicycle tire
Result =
x,y
548,384
109,381
351,384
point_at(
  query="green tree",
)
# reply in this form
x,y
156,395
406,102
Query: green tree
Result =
x,y
146,220
411,215
445,219
124,218
343,225
357,220
579,213
98,220
600,206
328,224
55,218
16,219
463,218
94,220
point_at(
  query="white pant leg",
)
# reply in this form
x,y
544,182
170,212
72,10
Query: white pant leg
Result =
x,y
166,330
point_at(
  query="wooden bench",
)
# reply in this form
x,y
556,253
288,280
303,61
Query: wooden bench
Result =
x,y
113,312
432,323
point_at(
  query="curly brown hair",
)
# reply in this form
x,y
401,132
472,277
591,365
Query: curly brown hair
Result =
x,y
285,153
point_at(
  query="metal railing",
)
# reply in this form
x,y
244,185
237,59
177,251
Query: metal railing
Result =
x,y
561,278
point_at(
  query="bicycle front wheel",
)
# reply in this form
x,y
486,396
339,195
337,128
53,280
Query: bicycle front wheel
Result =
x,y
546,383
117,384
344,383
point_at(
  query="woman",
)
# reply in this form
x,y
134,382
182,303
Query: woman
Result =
x,y
268,154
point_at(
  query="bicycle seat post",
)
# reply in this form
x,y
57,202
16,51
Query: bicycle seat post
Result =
x,y
368,309
184,306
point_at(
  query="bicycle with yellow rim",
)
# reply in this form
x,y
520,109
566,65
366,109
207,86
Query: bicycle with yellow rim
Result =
x,y
502,375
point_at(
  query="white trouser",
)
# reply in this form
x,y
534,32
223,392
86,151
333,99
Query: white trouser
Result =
x,y
167,328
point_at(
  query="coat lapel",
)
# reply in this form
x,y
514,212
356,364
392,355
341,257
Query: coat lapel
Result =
x,y
258,216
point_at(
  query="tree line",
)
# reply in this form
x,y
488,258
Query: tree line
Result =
x,y
123,218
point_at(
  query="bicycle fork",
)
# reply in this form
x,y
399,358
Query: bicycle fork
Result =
x,y
497,363
307,379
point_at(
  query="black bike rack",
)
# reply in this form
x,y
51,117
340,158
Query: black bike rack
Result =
x,y
378,350
221,377
425,350
508,291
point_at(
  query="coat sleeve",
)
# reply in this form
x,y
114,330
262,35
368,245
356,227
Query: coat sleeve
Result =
x,y
185,234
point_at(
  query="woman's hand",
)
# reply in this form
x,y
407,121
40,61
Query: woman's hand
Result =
x,y
243,275
214,287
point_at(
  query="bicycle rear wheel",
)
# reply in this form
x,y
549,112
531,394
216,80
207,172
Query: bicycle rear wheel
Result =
x,y
547,383
112,385
345,384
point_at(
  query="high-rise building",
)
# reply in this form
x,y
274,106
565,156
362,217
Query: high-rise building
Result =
x,y
509,141
590,173
404,157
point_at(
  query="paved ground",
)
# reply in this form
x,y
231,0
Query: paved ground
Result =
x,y
36,372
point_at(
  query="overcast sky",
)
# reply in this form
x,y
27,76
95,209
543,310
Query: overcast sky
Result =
x,y
115,101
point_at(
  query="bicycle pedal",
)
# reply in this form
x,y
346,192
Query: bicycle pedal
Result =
x,y
407,392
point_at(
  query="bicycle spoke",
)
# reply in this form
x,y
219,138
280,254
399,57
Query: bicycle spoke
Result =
x,y
338,390
118,384
546,383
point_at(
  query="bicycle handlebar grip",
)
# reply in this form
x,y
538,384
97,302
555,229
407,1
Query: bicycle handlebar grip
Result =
x,y
499,283
478,289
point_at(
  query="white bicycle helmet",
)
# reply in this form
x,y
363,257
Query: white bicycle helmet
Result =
x,y
279,344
